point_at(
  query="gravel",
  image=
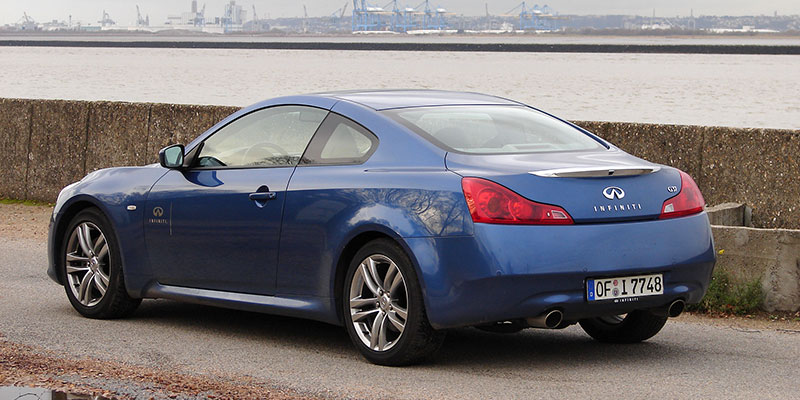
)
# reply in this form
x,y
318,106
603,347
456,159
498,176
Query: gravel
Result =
x,y
21,221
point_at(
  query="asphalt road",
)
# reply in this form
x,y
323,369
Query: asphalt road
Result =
x,y
686,360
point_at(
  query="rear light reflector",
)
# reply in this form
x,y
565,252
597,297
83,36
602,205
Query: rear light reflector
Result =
x,y
687,202
492,203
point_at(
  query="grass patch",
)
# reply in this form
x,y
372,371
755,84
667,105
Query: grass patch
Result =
x,y
25,202
726,297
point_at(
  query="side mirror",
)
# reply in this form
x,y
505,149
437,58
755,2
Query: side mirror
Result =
x,y
171,156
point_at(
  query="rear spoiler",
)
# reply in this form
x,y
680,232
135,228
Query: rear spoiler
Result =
x,y
596,172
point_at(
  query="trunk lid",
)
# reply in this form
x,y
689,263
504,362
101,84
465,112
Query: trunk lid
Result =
x,y
592,186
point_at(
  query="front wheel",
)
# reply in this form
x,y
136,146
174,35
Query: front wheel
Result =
x,y
633,327
383,307
92,268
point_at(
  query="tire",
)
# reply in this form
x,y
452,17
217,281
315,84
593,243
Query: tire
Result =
x,y
88,270
636,326
399,341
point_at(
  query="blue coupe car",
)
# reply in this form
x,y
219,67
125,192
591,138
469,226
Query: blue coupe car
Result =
x,y
398,214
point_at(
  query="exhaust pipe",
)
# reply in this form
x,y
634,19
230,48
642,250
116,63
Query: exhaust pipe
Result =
x,y
672,310
676,308
548,320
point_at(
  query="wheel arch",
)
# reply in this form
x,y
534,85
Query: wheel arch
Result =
x,y
61,222
349,250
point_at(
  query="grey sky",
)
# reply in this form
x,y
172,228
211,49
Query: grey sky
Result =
x,y
124,11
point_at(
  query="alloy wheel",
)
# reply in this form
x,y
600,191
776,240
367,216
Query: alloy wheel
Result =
x,y
378,302
87,263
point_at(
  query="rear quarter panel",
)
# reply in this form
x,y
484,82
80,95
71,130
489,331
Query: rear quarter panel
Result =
x,y
326,207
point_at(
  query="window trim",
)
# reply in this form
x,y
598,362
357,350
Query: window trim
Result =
x,y
195,152
323,135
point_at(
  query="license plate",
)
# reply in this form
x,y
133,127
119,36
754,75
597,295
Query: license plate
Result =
x,y
623,287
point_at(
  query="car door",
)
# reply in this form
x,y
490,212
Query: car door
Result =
x,y
216,225
325,189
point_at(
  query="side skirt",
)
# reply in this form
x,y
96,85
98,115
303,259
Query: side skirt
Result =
x,y
315,308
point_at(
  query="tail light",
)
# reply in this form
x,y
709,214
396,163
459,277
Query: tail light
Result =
x,y
492,203
687,202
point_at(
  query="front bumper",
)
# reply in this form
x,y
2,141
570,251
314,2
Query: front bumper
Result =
x,y
51,252
507,272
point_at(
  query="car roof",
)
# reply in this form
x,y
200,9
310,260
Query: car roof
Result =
x,y
404,98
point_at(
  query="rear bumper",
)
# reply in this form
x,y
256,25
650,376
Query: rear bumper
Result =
x,y
508,272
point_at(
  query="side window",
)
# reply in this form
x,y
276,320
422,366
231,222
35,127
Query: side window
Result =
x,y
340,141
271,137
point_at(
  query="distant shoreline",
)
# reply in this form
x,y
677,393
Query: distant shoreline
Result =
x,y
752,49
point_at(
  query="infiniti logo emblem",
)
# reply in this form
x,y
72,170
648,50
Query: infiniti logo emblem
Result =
x,y
613,192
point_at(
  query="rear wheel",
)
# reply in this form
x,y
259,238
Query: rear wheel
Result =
x,y
633,327
383,307
92,268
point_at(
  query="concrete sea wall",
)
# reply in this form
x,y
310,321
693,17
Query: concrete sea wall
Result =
x,y
48,144
758,167
51,143
771,256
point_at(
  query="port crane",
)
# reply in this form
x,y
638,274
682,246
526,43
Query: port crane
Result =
x,y
305,19
26,19
367,17
200,17
339,13
433,18
403,20
493,20
27,23
229,18
141,21
106,20
537,18
257,24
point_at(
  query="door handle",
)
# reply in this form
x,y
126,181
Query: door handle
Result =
x,y
262,196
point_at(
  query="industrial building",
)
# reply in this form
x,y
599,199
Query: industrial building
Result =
x,y
426,17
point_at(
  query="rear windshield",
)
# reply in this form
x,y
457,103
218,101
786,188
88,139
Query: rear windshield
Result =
x,y
493,129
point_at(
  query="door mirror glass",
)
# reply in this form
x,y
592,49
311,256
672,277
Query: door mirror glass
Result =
x,y
171,156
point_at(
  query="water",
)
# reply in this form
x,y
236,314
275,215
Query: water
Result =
x,y
728,90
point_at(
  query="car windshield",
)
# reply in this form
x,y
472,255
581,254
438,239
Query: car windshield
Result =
x,y
493,129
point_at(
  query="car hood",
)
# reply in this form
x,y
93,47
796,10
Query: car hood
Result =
x,y
577,181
